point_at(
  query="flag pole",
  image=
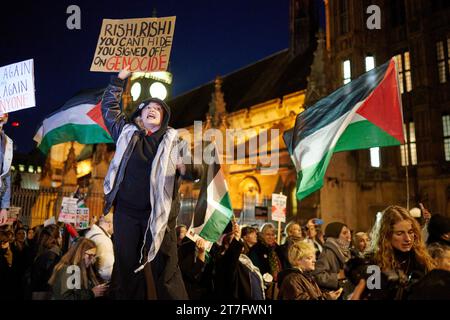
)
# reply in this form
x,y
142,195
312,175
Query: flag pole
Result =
x,y
406,174
279,233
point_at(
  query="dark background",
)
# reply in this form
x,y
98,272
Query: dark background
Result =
x,y
211,38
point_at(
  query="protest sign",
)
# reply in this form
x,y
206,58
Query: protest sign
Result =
x,y
82,218
279,207
144,44
49,221
68,213
13,215
279,211
17,86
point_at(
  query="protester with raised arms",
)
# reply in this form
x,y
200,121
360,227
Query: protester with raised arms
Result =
x,y
142,184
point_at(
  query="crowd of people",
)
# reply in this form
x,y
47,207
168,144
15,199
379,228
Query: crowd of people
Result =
x,y
136,251
247,263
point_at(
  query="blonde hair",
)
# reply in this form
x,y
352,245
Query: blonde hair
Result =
x,y
289,227
75,256
359,236
300,250
381,244
139,123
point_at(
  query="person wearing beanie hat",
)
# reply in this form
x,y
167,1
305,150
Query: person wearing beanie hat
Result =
x,y
6,156
329,272
334,229
439,230
142,184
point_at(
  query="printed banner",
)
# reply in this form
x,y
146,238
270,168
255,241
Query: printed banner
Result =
x,y
144,44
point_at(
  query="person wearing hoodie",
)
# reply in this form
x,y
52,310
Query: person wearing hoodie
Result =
x,y
329,272
142,183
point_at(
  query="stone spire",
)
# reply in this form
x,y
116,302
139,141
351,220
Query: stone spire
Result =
x,y
70,169
317,84
217,109
46,176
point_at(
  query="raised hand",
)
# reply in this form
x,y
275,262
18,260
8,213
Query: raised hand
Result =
x,y
124,73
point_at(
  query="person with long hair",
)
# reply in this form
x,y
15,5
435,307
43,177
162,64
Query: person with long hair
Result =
x,y
48,255
398,250
74,277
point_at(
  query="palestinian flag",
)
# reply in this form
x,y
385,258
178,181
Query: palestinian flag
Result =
x,y
79,119
365,113
213,211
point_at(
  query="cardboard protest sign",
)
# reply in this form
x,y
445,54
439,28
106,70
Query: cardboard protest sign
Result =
x,y
144,44
49,221
279,207
82,218
68,213
13,215
17,86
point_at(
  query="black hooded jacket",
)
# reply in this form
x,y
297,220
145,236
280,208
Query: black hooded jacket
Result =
x,y
137,176
140,151
168,278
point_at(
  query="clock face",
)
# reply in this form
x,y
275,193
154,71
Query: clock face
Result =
x,y
158,90
136,90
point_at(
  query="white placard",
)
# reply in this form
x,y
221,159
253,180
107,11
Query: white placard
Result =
x,y
17,86
279,207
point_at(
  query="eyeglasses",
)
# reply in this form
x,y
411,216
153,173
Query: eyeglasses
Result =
x,y
90,255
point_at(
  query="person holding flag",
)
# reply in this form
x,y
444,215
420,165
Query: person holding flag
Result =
x,y
142,184
6,155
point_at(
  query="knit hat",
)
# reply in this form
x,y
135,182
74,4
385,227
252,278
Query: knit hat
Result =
x,y
144,103
333,229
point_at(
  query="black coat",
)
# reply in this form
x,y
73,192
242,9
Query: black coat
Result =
x,y
259,254
42,269
7,278
197,275
434,286
233,279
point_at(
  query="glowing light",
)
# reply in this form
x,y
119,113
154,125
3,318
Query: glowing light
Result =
x,y
158,90
136,90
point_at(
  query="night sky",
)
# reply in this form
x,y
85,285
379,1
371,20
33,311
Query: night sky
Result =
x,y
211,38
